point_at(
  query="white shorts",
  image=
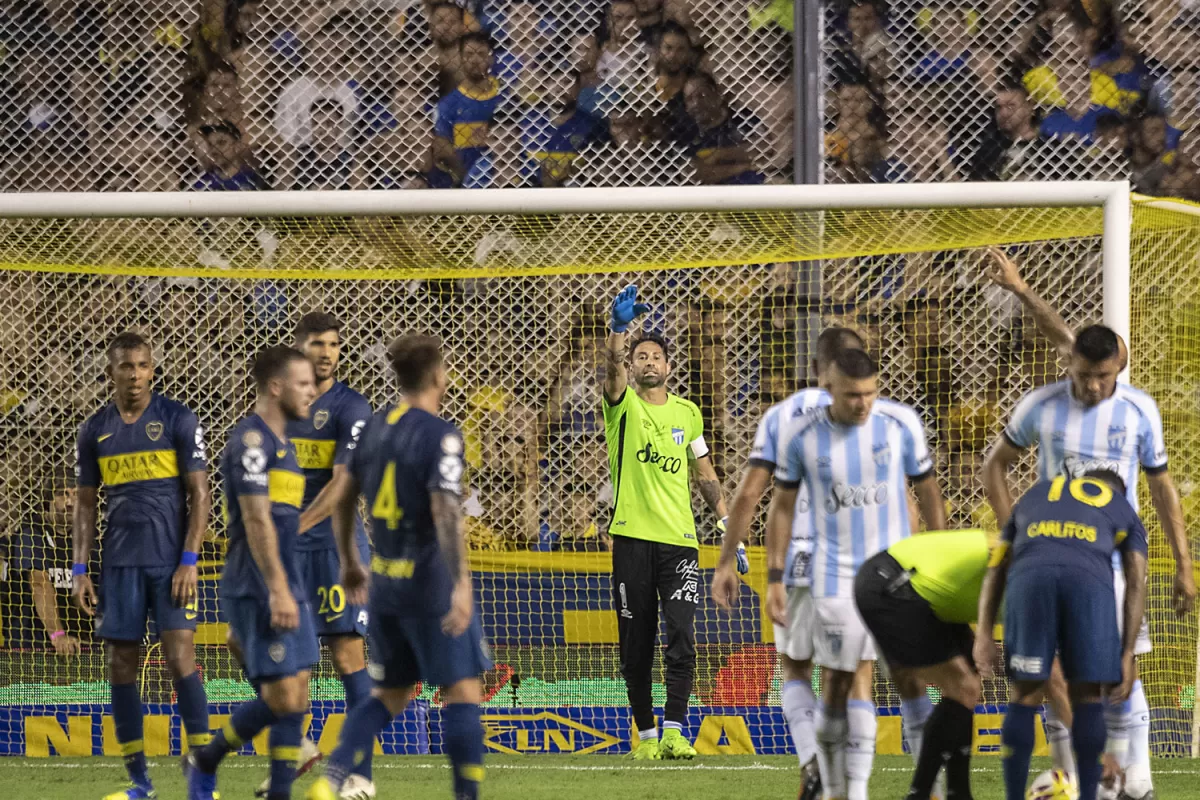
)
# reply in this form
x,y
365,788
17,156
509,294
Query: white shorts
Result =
x,y
1143,645
796,640
840,638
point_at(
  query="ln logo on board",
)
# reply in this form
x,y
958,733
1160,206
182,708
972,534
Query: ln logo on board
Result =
x,y
542,733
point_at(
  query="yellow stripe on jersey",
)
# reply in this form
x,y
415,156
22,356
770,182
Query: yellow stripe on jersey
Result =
x,y
396,413
144,465
315,453
285,487
999,553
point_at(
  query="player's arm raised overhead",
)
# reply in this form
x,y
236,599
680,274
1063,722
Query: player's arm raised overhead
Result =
x,y
87,503
1133,546
190,450
350,427
990,597
625,309
1003,271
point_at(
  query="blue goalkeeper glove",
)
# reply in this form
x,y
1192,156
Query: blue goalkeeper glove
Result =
x,y
626,308
743,561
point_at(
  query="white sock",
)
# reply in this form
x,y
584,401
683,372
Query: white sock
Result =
x,y
914,714
1058,736
647,736
1116,720
832,731
1137,774
800,711
860,747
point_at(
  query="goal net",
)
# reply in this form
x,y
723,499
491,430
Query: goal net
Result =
x,y
519,293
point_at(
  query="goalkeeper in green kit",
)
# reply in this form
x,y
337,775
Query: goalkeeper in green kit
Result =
x,y
655,446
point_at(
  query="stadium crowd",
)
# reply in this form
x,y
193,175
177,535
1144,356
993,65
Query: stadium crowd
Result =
x,y
235,95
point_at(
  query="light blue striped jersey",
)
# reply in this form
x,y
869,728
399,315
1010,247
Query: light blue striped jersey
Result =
x,y
856,479
775,431
1118,434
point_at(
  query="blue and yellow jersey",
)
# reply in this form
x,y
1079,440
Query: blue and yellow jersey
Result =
x,y
141,466
728,134
257,462
405,456
327,438
1073,522
465,118
552,146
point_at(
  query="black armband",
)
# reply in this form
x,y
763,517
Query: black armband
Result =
x,y
774,576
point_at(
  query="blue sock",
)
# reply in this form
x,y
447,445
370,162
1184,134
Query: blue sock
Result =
x,y
1016,740
363,723
244,724
462,738
358,688
127,719
284,741
1088,735
193,709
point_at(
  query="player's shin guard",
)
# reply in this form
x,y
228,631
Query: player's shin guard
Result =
x,y
193,709
284,741
1088,735
127,719
1016,739
914,715
358,689
833,729
860,747
800,710
243,725
462,737
1059,738
1137,774
363,723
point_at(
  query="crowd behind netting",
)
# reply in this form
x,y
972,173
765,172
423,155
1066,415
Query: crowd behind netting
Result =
x,y
241,95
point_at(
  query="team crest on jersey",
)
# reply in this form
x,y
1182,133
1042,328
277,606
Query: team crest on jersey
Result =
x,y
1116,437
882,455
154,430
252,438
320,418
677,435
277,651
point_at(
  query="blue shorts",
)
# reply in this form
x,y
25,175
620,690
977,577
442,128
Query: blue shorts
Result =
x,y
1057,609
408,650
321,571
130,595
268,654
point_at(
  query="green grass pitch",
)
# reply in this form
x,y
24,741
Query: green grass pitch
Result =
x,y
534,778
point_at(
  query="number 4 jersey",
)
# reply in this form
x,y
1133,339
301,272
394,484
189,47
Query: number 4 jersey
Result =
x,y
404,456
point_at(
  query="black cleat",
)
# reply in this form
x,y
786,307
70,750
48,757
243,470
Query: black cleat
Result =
x,y
810,781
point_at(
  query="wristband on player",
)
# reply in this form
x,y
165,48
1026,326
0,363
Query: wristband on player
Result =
x,y
722,524
54,637
774,576
79,569
188,559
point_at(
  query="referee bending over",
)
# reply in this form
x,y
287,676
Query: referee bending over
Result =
x,y
655,439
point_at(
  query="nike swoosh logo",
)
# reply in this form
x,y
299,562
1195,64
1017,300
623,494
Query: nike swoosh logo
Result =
x,y
335,617
102,438
280,453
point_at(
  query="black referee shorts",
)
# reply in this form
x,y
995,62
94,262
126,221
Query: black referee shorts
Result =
x,y
906,631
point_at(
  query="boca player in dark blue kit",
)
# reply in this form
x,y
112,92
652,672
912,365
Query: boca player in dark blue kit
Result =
x,y
262,591
324,442
1055,557
423,626
148,453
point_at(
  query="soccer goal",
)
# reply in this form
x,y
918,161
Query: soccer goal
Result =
x,y
517,283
